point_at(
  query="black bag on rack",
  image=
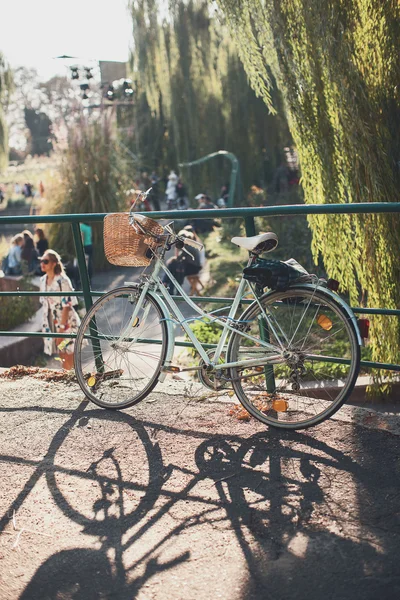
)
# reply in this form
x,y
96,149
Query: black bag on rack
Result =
x,y
276,274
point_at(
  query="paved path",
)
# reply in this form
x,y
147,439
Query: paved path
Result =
x,y
176,499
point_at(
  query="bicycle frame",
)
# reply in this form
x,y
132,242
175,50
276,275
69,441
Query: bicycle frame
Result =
x,y
154,286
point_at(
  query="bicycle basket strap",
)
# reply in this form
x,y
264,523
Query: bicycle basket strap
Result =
x,y
148,225
275,274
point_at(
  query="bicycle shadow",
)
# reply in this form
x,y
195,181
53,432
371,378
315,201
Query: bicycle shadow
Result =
x,y
272,491
292,540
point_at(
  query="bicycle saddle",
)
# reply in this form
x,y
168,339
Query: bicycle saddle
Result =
x,y
264,242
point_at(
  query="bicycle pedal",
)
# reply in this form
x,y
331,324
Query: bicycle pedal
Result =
x,y
172,369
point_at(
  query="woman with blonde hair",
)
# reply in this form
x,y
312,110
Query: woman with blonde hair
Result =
x,y
13,264
59,315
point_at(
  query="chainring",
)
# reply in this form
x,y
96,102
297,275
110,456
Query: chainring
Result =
x,y
208,378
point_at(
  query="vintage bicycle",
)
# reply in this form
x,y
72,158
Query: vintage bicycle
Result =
x,y
292,356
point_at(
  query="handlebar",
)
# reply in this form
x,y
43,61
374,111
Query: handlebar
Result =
x,y
138,221
193,243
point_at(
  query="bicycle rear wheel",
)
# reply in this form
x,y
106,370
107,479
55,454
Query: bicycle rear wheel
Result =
x,y
118,360
318,363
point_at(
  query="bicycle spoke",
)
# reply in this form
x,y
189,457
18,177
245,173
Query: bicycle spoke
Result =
x,y
318,366
116,366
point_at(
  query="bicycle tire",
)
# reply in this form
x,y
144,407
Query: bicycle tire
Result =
x,y
316,381
112,375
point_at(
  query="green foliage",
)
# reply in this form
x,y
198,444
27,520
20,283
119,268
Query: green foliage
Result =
x,y
194,98
338,70
225,262
206,332
14,311
92,178
39,126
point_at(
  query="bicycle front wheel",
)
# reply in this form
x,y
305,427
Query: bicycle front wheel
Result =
x,y
118,358
313,368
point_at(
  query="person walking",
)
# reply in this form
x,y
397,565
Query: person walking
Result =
x,y
155,192
182,199
182,264
171,192
59,314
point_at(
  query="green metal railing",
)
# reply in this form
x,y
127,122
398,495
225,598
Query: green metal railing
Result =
x,y
247,214
235,171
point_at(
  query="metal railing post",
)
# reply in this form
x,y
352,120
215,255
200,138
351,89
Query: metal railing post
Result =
x,y
87,296
83,272
250,226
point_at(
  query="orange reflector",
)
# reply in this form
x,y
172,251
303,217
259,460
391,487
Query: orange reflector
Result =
x,y
325,322
135,321
172,369
280,405
91,381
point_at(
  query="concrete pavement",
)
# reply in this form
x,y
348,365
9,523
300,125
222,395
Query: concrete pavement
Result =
x,y
175,498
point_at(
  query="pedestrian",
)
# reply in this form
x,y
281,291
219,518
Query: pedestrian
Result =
x,y
182,264
204,202
224,196
42,243
155,191
29,254
86,231
170,192
41,189
28,190
12,264
182,199
59,314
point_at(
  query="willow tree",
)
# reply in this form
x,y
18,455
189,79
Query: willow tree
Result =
x,y
194,96
5,88
336,64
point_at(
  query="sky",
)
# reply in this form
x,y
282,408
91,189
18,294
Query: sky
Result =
x,y
35,32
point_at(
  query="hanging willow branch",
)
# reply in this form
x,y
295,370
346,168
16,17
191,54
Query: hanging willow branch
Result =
x,y
336,64
194,84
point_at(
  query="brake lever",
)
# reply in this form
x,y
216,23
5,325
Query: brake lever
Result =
x,y
187,252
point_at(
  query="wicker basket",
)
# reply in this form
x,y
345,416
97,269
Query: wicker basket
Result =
x,y
123,246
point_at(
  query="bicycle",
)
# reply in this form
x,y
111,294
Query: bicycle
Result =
x,y
292,356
